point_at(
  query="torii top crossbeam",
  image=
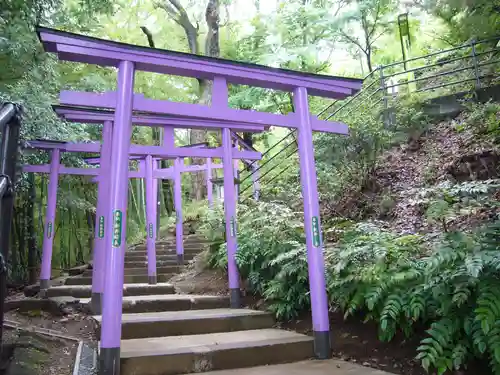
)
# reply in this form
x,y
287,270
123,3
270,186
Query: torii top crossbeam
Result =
x,y
98,116
79,48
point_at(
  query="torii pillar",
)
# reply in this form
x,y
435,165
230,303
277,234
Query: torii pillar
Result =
x,y
314,242
210,187
102,214
109,358
179,225
50,217
151,220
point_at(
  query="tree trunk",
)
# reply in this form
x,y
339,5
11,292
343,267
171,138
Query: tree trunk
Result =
x,y
179,15
368,55
212,49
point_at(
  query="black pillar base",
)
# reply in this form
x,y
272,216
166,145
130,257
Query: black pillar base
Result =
x,y
152,280
235,298
96,303
109,361
322,345
44,285
180,259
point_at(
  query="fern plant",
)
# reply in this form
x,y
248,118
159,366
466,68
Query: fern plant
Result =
x,y
395,280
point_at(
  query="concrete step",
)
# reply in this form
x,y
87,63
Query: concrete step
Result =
x,y
161,252
78,270
128,279
170,302
192,322
190,246
214,351
163,261
85,291
143,270
168,258
325,367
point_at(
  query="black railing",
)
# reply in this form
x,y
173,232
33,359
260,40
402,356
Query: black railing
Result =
x,y
462,68
9,126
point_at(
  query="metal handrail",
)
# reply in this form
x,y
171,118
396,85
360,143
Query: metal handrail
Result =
x,y
9,124
384,87
442,52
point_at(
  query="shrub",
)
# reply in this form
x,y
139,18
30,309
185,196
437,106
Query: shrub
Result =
x,y
395,280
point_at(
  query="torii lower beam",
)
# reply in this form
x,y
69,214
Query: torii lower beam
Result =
x,y
54,171
142,151
158,151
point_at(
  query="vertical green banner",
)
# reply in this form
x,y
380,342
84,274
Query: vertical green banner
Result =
x,y
49,229
101,227
315,231
233,227
117,228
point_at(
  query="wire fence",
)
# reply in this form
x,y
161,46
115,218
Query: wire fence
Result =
x,y
468,67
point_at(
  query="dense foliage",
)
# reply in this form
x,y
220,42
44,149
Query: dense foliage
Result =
x,y
447,281
449,284
444,280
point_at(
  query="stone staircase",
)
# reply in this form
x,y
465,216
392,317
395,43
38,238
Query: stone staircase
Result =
x,y
164,333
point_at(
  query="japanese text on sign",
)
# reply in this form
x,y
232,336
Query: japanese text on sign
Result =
x,y
315,231
117,228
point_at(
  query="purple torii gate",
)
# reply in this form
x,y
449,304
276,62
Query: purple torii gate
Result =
x,y
72,113
55,169
128,59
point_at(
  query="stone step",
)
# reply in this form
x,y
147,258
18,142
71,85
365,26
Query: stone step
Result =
x,y
324,367
214,351
78,270
169,257
160,252
170,302
172,246
163,261
143,270
192,322
85,291
128,279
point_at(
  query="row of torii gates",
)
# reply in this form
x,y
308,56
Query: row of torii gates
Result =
x,y
118,111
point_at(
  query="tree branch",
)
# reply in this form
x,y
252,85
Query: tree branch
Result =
x,y
167,7
353,41
151,41
375,21
340,5
178,5
212,47
176,11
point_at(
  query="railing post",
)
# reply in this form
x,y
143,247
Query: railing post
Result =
x,y
474,61
386,114
382,86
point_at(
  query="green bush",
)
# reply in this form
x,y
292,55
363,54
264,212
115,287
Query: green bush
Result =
x,y
453,288
271,253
